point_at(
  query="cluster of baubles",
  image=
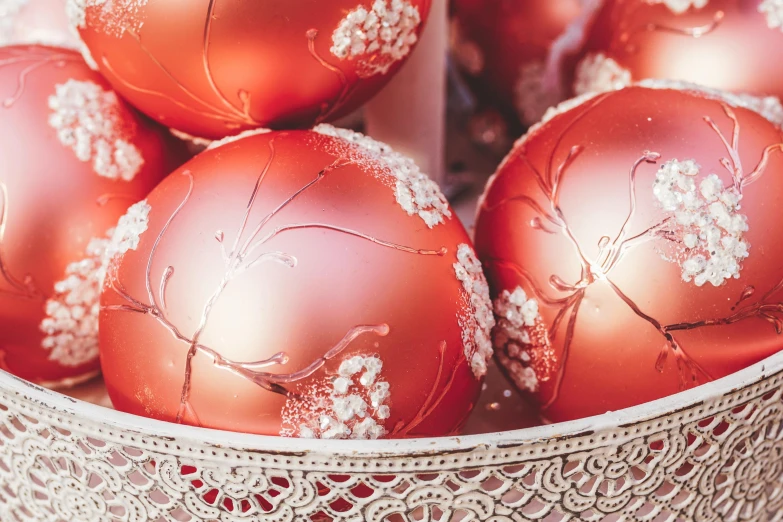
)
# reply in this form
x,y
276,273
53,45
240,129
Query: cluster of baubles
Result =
x,y
309,281
523,57
628,237
304,283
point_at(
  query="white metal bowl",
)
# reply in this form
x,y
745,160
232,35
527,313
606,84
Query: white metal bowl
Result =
x,y
712,453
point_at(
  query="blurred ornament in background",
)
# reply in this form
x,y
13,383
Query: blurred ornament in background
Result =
x,y
212,69
298,283
75,157
631,246
36,21
512,54
724,44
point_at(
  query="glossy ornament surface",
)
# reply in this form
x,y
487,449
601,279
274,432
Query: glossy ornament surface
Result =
x,y
299,283
723,44
212,68
74,158
35,21
512,52
632,250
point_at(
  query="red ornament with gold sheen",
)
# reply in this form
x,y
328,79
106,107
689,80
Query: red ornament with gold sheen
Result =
x,y
724,44
632,250
511,51
300,283
212,68
75,157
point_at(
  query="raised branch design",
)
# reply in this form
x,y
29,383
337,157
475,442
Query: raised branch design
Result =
x,y
246,252
550,218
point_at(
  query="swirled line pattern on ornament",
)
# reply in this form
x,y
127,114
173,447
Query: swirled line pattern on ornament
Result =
x,y
415,192
242,256
378,37
612,250
599,73
25,287
773,11
71,322
680,6
476,318
90,121
127,22
349,405
521,340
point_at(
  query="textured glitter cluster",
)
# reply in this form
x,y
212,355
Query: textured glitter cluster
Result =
x,y
378,37
707,221
71,322
476,319
415,192
8,11
91,122
521,340
353,406
773,11
680,6
599,73
116,16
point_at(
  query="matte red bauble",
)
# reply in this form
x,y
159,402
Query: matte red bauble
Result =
x,y
74,158
303,283
724,44
212,68
35,21
631,244
512,51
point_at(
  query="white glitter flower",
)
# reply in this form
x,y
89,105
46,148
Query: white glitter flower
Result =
x,y
378,37
521,340
352,406
127,233
114,17
71,322
705,217
679,6
476,318
773,11
91,122
8,11
599,73
415,192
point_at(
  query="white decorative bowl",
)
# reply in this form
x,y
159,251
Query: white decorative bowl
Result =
x,y
712,453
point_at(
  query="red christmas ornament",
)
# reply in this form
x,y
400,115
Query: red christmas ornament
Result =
x,y
512,53
74,158
302,283
35,21
214,68
631,246
723,44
